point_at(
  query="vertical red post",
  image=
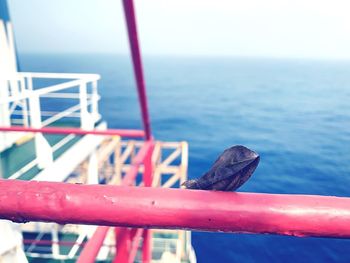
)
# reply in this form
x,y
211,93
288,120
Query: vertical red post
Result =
x,y
141,88
147,246
123,245
147,162
137,64
147,178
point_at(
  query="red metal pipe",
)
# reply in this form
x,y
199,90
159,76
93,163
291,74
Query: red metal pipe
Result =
x,y
297,215
137,64
147,236
77,131
142,154
127,244
147,246
91,249
123,245
147,162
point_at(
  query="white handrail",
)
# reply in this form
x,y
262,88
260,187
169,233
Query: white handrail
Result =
x,y
50,75
64,113
61,115
61,86
25,94
71,114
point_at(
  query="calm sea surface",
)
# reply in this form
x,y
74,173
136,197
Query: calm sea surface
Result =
x,y
294,113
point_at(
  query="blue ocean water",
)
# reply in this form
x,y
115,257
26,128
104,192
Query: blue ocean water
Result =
x,y
294,113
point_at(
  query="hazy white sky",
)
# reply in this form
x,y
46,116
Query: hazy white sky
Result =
x,y
269,28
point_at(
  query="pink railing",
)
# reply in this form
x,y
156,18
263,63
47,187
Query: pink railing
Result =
x,y
148,207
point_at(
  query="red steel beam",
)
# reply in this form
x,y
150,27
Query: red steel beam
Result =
x,y
147,246
91,248
77,131
147,162
145,151
124,240
127,244
147,235
147,207
137,64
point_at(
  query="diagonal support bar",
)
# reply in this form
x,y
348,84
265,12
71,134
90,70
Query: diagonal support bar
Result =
x,y
137,64
91,249
143,154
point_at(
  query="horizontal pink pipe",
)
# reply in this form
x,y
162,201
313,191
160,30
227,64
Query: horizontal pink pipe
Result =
x,y
77,131
297,215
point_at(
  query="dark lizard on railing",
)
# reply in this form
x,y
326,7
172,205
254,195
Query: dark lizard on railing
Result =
x,y
231,170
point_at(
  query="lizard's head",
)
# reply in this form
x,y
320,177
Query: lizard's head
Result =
x,y
191,184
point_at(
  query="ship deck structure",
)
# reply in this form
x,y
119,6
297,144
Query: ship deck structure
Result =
x,y
87,193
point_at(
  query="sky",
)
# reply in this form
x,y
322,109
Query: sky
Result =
x,y
255,28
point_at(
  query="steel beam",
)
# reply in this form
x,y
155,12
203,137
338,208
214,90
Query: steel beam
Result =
x,y
147,246
147,207
137,64
124,240
147,235
91,249
145,151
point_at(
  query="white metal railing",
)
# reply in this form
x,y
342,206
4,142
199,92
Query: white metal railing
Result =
x,y
24,100
24,92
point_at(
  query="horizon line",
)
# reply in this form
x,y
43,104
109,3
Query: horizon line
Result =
x,y
183,55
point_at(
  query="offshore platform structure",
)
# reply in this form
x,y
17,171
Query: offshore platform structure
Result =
x,y
67,168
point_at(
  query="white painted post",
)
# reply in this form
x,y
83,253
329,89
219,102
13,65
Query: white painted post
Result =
x,y
4,116
85,118
92,173
11,241
55,246
42,147
24,103
94,98
6,69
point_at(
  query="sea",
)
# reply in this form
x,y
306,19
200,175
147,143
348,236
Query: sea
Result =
x,y
294,112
